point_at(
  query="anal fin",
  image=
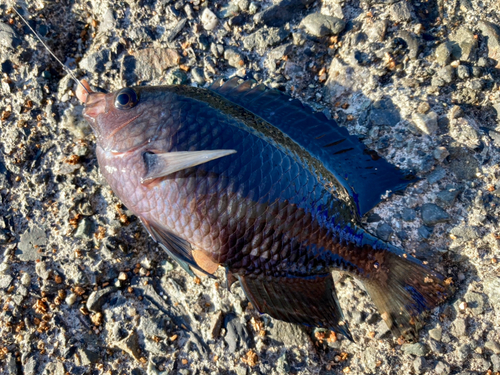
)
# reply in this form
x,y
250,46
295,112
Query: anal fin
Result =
x,y
178,248
311,301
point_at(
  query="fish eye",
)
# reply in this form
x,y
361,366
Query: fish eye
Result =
x,y
126,98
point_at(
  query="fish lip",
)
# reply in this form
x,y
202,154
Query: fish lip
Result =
x,y
95,105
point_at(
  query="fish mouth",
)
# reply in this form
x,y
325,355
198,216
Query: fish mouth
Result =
x,y
95,105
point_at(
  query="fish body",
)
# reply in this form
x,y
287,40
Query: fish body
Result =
x,y
240,177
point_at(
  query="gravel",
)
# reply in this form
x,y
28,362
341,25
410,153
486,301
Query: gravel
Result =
x,y
84,290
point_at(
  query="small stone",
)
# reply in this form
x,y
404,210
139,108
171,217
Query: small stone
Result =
x,y
264,38
84,228
176,77
455,112
492,32
234,58
287,334
409,214
436,347
424,232
464,44
42,271
147,64
419,365
423,107
426,123
5,281
282,365
440,153
462,131
459,327
320,25
209,20
26,279
446,73
495,361
491,287
433,214
401,11
463,72
384,231
417,349
216,324
443,53
198,76
236,334
384,112
70,299
448,196
436,333
279,13
436,175
95,62
122,276
370,358
442,368
87,356
30,244
493,346
8,37
475,302
99,298
129,345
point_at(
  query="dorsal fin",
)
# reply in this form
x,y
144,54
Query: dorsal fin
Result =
x,y
365,178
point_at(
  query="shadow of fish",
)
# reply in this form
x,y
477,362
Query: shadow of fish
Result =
x,y
244,177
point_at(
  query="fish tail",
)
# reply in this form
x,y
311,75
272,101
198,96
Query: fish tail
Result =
x,y
402,288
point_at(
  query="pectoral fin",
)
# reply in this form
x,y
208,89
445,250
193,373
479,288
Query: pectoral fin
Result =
x,y
161,165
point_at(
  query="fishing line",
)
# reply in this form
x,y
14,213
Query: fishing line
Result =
x,y
48,49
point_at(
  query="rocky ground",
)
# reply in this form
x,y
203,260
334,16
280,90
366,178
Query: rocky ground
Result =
x,y
84,291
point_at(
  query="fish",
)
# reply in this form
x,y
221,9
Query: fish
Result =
x,y
244,177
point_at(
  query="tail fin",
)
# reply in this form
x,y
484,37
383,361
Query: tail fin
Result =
x,y
402,289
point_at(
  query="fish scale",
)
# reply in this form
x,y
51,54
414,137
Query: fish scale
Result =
x,y
269,190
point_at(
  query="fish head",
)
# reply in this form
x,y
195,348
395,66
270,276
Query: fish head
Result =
x,y
123,120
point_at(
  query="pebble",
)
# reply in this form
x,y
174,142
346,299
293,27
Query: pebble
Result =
x,y
264,38
493,346
436,333
5,281
425,232
491,286
234,58
42,271
147,64
384,231
417,349
459,327
475,302
8,37
176,76
464,45
287,334
236,334
95,62
84,229
280,13
370,358
440,153
216,324
401,11
209,20
426,123
321,25
463,164
448,196
420,365
446,73
99,298
70,299
463,72
492,32
442,368
32,239
462,131
432,214
443,53
495,362
198,76
26,279
436,175
408,214
383,112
